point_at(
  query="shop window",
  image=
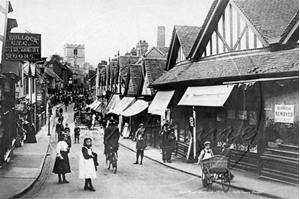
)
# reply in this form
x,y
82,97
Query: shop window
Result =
x,y
221,116
231,114
252,118
243,115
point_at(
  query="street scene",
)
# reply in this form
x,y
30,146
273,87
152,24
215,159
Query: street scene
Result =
x,y
158,99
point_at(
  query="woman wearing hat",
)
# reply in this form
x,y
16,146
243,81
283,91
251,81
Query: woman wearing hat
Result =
x,y
62,165
206,152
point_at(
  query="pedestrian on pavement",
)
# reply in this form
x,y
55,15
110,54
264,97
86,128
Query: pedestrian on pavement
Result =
x,y
67,133
62,165
66,101
76,133
140,147
166,146
93,119
126,131
59,129
87,168
140,130
31,133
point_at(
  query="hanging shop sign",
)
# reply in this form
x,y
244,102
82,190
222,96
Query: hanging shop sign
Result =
x,y
284,113
22,46
19,107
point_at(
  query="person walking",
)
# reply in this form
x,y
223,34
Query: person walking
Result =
x,y
66,101
62,165
87,169
140,147
111,137
93,119
166,141
76,133
67,133
59,129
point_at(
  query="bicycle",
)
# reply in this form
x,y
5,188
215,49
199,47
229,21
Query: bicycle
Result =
x,y
111,160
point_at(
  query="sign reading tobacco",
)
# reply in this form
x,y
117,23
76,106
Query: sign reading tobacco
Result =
x,y
22,46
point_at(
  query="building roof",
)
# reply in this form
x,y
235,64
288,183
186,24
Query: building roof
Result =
x,y
135,78
269,17
233,66
187,36
154,68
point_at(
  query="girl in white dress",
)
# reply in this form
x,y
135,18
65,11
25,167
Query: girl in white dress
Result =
x,y
126,131
87,169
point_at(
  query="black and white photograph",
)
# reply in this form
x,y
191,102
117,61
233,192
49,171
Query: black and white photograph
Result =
x,y
136,99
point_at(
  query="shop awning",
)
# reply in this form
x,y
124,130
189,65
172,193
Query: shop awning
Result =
x,y
122,105
213,96
101,107
136,108
92,104
96,104
160,102
114,100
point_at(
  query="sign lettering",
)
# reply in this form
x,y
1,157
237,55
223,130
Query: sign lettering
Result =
x,y
284,113
22,46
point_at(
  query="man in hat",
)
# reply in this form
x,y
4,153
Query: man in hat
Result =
x,y
111,137
206,152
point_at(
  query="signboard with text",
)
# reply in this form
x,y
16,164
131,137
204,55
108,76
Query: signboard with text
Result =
x,y
22,46
284,113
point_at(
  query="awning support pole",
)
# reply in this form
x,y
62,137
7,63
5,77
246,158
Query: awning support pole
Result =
x,y
194,131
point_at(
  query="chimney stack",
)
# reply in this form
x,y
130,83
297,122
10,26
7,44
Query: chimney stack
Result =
x,y
160,36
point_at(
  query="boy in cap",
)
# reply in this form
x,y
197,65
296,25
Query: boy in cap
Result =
x,y
76,133
140,147
206,152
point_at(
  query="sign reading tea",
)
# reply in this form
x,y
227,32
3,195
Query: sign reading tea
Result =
x,y
284,113
22,46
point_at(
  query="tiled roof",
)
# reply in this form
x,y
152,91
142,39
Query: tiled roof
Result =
x,y
135,79
269,17
124,61
233,66
187,36
154,68
289,27
164,50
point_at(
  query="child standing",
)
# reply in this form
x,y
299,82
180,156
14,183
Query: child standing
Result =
x,y
76,133
62,165
67,132
140,147
206,152
87,168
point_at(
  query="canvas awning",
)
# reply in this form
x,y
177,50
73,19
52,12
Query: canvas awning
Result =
x,y
101,107
213,96
136,108
92,104
122,105
160,102
114,100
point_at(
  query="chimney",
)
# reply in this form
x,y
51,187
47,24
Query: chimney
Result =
x,y
160,36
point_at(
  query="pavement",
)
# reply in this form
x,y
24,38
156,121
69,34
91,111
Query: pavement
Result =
x,y
243,181
26,164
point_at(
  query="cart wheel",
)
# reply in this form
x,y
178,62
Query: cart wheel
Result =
x,y
226,181
206,178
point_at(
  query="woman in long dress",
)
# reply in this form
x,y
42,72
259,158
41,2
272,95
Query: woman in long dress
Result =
x,y
126,131
87,169
62,165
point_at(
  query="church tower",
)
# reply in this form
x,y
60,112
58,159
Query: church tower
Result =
x,y
75,54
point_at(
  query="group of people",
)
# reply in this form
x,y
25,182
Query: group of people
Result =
x,y
88,161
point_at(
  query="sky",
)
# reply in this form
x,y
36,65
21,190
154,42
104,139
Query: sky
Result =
x,y
104,26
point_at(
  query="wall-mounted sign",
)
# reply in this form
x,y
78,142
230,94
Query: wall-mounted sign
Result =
x,y
19,107
191,121
284,113
22,46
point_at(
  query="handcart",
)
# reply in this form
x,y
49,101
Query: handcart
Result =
x,y
213,169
